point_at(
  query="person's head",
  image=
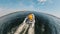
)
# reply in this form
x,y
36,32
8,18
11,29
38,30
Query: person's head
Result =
x,y
30,16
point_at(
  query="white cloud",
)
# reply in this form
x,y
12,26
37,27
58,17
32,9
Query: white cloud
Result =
x,y
54,13
4,11
42,0
1,9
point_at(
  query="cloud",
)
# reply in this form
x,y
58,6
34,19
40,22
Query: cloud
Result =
x,y
31,7
42,1
54,13
1,9
4,11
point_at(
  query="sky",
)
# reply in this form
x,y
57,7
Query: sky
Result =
x,y
46,6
